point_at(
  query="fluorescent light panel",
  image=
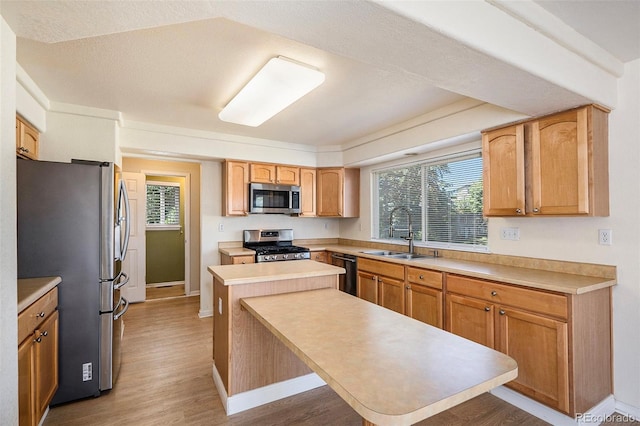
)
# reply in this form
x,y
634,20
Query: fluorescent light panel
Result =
x,y
277,85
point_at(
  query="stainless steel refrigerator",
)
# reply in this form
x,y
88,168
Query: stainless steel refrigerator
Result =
x,y
73,223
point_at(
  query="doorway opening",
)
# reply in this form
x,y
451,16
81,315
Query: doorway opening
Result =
x,y
167,224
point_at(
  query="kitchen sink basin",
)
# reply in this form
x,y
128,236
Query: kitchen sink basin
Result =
x,y
398,254
383,253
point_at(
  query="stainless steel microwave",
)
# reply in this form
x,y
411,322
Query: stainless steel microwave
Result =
x,y
269,198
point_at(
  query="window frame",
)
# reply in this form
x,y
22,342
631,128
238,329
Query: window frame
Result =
x,y
423,163
164,226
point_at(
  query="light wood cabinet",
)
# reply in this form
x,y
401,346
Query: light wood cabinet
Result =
x,y
338,192
560,342
320,256
235,191
423,296
27,140
555,165
225,259
308,192
275,174
381,283
503,171
37,358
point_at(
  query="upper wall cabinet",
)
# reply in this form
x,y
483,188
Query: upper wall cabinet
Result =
x,y
557,165
503,171
272,173
308,192
235,191
338,192
27,140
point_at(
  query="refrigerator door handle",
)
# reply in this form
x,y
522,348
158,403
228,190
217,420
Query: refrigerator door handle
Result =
x,y
121,280
125,306
124,197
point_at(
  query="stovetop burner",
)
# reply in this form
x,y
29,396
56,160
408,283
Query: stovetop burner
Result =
x,y
273,245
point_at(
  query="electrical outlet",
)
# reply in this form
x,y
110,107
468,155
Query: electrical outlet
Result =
x,y
510,233
221,227
605,238
87,372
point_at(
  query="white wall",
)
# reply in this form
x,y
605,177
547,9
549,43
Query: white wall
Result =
x,y
8,261
91,135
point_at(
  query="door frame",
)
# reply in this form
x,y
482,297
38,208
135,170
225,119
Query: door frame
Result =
x,y
187,219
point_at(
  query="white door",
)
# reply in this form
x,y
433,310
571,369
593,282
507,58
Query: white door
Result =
x,y
134,261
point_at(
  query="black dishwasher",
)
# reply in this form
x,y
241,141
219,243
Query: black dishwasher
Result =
x,y
350,264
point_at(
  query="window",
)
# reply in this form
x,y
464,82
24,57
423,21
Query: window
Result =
x,y
163,204
443,198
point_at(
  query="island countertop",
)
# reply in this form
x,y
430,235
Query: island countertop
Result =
x,y
31,289
271,271
391,369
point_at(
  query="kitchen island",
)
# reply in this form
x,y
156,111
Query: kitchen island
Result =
x,y
391,369
282,328
250,365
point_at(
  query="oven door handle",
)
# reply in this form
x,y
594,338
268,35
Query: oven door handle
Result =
x,y
343,258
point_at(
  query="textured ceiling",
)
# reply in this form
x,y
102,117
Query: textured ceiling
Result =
x,y
178,63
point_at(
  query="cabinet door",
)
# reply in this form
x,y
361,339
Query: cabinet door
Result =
x,y
27,140
287,175
46,363
503,171
27,412
236,188
367,287
560,164
391,294
308,192
330,192
540,347
262,173
471,318
424,304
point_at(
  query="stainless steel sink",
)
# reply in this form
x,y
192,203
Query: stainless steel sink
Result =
x,y
383,252
408,256
398,254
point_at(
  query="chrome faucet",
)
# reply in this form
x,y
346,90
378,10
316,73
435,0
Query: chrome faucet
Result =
x,y
409,237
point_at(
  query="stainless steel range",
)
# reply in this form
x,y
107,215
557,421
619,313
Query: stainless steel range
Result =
x,y
273,245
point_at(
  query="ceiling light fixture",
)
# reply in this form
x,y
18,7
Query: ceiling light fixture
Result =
x,y
277,85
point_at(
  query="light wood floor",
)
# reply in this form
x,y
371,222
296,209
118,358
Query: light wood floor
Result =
x,y
164,292
166,380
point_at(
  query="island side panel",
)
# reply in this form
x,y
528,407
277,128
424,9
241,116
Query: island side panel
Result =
x,y
257,357
221,331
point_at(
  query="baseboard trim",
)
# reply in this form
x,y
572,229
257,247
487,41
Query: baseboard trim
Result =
x,y
167,284
595,415
266,394
629,412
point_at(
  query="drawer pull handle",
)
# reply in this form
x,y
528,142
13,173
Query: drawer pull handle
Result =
x,y
422,277
38,340
408,287
44,333
487,309
502,312
41,314
494,293
518,211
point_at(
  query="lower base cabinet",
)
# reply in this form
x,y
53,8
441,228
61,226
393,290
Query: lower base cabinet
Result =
x,y
560,342
38,360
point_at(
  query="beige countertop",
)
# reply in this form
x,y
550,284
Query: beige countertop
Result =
x,y
391,369
236,251
271,271
535,278
31,289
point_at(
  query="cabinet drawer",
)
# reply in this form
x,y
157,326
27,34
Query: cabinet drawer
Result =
x,y
319,256
35,314
424,277
532,300
387,269
237,260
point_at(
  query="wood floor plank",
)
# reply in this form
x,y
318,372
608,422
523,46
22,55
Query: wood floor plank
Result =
x,y
166,380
